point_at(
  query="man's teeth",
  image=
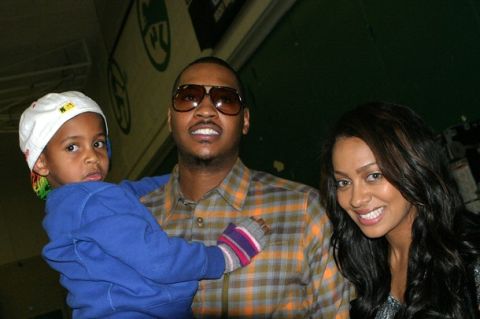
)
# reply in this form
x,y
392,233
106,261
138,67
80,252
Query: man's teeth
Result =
x,y
373,214
205,131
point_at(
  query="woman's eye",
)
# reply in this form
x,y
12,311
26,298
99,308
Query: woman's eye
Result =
x,y
72,148
374,176
341,183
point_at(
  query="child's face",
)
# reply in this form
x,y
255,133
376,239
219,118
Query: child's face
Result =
x,y
76,153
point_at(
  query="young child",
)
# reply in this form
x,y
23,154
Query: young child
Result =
x,y
113,257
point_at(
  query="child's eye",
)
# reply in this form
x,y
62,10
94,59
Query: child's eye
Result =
x,y
374,176
72,148
99,144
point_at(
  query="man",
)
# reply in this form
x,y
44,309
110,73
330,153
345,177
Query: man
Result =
x,y
295,276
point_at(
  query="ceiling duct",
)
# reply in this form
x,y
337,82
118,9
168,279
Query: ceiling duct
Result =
x,y
61,69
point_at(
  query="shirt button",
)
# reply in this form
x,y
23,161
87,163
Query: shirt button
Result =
x,y
199,221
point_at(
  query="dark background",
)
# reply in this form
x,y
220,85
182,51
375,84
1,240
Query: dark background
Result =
x,y
325,57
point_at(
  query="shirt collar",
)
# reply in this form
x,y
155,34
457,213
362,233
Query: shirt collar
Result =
x,y
233,188
235,185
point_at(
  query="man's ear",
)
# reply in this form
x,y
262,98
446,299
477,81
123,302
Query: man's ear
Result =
x,y
246,121
169,118
41,167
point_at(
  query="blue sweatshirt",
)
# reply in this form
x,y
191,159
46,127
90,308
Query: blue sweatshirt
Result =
x,y
115,260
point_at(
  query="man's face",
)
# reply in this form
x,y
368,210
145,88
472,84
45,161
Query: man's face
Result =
x,y
204,134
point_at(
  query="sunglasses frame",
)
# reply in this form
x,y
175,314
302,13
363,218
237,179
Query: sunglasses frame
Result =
x,y
205,93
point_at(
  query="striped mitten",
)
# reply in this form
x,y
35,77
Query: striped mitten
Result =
x,y
241,243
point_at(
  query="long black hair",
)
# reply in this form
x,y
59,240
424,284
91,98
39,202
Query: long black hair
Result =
x,y
445,237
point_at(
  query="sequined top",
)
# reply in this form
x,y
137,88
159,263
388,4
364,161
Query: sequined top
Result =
x,y
391,306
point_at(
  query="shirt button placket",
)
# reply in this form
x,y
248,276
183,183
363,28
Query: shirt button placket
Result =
x,y
200,222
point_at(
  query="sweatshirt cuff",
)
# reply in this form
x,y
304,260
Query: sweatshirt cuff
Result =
x,y
216,263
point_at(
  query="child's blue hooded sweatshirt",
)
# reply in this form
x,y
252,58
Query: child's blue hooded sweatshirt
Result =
x,y
115,260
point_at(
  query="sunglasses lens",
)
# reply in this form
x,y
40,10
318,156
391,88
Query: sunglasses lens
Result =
x,y
188,97
226,100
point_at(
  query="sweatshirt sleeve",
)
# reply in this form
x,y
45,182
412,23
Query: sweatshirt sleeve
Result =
x,y
145,185
113,237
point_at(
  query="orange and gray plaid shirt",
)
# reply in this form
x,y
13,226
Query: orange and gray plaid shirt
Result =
x,y
294,277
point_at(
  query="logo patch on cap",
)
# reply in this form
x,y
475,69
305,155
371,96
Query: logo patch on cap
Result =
x,y
67,107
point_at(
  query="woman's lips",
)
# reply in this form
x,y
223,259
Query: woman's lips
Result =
x,y
372,217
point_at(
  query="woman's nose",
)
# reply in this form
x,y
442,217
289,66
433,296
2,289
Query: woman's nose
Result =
x,y
360,196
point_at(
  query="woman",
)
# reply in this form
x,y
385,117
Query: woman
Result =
x,y
401,233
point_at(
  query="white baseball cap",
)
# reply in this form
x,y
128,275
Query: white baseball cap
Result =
x,y
45,116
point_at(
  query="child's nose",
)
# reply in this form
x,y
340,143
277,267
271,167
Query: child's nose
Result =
x,y
91,156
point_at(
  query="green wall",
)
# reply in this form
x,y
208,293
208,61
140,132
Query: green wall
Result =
x,y
325,57
328,56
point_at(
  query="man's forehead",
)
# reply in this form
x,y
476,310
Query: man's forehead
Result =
x,y
208,73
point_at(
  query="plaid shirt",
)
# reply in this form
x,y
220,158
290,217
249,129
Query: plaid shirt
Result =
x,y
294,277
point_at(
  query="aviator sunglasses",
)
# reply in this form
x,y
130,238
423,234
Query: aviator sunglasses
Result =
x,y
189,96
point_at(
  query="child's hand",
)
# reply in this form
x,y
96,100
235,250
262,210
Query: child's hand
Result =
x,y
266,229
241,243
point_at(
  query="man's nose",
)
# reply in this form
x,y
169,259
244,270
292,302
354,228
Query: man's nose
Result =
x,y
206,107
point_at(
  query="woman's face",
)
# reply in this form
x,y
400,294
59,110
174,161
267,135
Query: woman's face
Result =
x,y
374,204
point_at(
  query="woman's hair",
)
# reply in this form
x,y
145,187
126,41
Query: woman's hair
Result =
x,y
439,281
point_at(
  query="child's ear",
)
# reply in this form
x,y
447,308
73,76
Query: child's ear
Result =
x,y
41,167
